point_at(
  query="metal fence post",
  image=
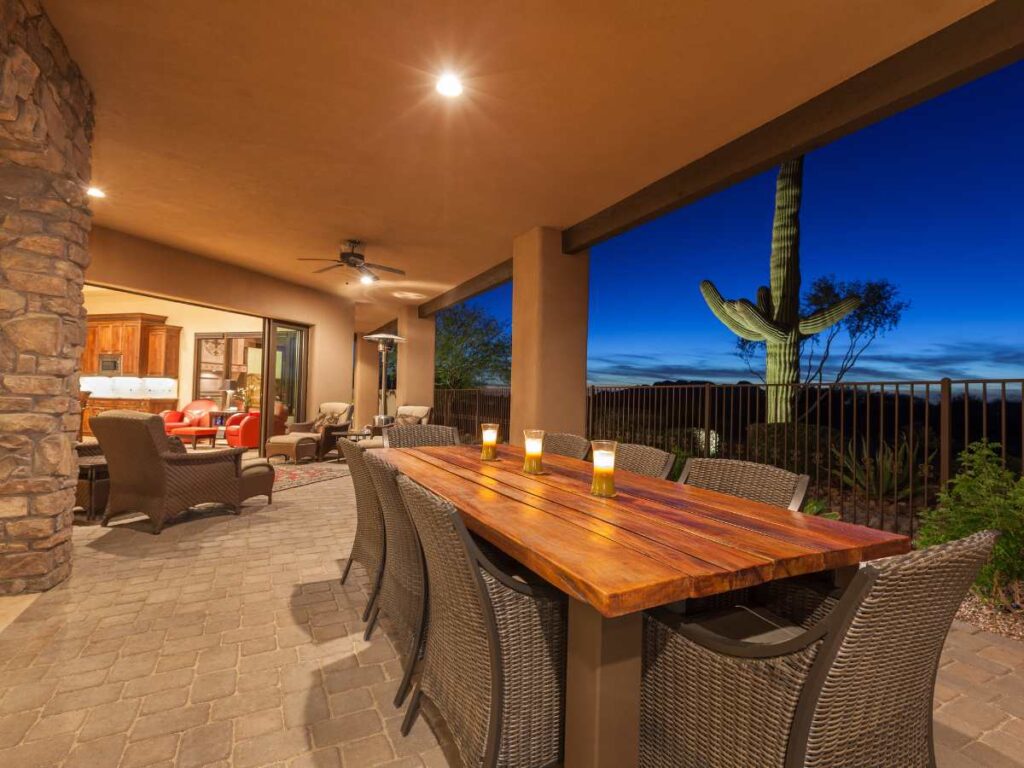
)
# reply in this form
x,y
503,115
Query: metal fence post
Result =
x,y
707,420
945,431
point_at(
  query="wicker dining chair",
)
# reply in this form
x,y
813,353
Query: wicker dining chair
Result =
x,y
798,678
494,660
644,460
403,590
566,444
369,548
749,480
415,435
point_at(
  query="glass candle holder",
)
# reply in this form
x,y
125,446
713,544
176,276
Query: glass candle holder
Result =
x,y
533,443
489,442
603,483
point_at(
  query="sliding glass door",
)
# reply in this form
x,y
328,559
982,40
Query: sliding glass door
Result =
x,y
284,375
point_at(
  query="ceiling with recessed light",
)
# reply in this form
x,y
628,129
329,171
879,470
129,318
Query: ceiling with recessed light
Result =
x,y
257,133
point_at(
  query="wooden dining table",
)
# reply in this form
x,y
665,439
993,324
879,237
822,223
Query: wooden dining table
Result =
x,y
656,542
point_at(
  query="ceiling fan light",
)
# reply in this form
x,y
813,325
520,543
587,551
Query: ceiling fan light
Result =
x,y
367,279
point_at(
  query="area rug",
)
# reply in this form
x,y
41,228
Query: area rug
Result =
x,y
295,475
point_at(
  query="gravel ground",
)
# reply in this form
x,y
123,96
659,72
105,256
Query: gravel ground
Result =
x,y
981,615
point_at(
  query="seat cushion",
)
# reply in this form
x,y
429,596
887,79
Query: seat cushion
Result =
x,y
294,438
751,624
198,431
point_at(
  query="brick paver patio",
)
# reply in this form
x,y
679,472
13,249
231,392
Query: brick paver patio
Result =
x,y
228,641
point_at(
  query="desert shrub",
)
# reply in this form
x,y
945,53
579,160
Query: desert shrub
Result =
x,y
798,447
984,495
681,454
819,508
887,472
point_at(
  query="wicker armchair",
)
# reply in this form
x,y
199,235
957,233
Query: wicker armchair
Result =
x,y
494,660
845,682
403,591
154,475
413,435
566,444
368,548
644,460
749,480
327,436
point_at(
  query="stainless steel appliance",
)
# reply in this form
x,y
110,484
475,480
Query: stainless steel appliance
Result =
x,y
110,365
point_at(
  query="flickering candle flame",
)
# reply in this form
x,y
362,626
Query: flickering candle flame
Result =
x,y
488,442
603,483
533,443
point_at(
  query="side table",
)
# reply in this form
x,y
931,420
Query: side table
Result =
x,y
92,470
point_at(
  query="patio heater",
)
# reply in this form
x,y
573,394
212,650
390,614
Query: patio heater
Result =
x,y
385,343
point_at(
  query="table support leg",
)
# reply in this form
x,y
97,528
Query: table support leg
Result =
x,y
602,708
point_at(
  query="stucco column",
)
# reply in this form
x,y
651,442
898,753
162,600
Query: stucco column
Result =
x,y
415,370
550,292
45,128
367,382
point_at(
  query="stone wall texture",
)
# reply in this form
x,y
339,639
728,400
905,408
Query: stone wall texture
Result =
x,y
46,118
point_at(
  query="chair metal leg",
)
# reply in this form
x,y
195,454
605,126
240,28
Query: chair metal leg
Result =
x,y
412,713
371,624
406,684
348,567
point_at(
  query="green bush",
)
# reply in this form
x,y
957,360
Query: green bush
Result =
x,y
984,495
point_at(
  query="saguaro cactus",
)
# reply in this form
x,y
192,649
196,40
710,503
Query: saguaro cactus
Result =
x,y
775,319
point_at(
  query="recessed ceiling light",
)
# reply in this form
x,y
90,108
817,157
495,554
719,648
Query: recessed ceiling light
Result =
x,y
95,192
448,84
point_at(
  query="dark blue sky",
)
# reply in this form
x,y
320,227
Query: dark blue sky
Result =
x,y
931,199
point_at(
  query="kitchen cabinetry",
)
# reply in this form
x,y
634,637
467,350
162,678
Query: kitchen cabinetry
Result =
x,y
98,405
146,344
162,347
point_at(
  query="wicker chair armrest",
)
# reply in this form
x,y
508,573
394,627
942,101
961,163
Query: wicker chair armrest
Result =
x,y
299,426
739,649
226,456
175,444
510,573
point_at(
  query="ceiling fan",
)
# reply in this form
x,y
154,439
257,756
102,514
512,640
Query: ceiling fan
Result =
x,y
351,258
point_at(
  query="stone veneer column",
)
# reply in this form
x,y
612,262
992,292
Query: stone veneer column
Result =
x,y
46,120
550,295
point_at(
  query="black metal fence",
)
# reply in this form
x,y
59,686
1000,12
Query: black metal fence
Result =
x,y
876,452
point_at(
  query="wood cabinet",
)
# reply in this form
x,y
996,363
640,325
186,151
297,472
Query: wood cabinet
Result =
x,y
98,405
147,345
162,348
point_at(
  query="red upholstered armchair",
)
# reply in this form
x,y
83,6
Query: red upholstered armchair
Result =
x,y
243,430
195,414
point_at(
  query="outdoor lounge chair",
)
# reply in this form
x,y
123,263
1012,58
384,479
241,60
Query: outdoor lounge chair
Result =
x,y
494,659
332,420
748,480
644,460
566,444
800,677
403,590
413,435
154,475
368,548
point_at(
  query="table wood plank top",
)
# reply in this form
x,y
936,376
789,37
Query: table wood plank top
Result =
x,y
656,542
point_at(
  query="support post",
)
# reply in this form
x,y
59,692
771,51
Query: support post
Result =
x,y
550,292
367,380
945,432
415,370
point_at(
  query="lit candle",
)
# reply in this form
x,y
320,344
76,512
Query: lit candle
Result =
x,y
534,448
604,468
488,442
